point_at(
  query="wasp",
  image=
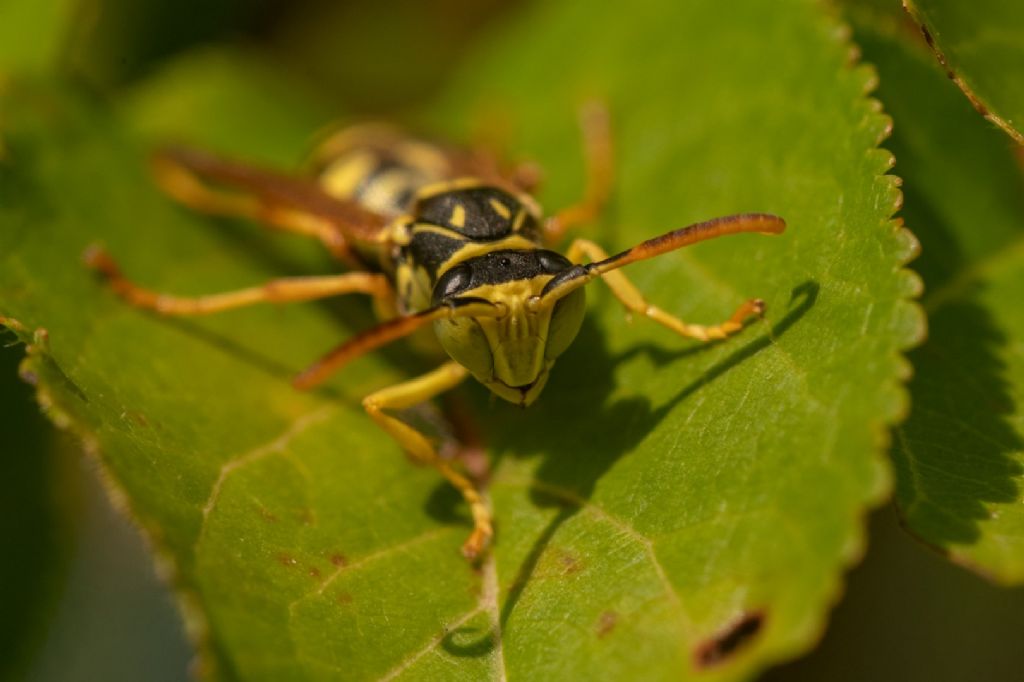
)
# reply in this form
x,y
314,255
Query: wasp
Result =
x,y
438,236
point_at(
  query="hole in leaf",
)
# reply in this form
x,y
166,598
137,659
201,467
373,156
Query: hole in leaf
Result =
x,y
727,642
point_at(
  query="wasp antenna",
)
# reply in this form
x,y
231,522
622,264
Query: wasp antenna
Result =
x,y
579,275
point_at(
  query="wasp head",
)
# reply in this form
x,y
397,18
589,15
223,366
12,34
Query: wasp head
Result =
x,y
512,352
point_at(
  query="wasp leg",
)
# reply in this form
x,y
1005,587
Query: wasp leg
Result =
x,y
284,290
388,331
217,186
597,153
410,393
630,296
471,451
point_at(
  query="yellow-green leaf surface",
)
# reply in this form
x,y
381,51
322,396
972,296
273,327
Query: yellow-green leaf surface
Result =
x,y
664,511
959,461
981,46
33,34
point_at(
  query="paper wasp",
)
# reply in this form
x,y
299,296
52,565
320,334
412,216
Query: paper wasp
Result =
x,y
436,236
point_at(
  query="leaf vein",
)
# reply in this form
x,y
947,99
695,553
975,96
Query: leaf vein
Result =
x,y
430,646
296,429
644,541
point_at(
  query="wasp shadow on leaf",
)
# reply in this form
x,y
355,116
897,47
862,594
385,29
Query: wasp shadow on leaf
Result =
x,y
578,410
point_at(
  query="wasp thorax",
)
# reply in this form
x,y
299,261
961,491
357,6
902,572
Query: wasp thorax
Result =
x,y
511,352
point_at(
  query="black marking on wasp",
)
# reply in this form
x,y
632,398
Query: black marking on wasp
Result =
x,y
480,212
499,267
436,236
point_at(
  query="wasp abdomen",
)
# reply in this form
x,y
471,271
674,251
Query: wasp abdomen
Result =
x,y
378,167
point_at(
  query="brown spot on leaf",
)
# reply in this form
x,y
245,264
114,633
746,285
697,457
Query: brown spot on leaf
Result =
x,y
606,623
339,560
138,418
726,643
343,598
314,572
287,560
266,515
570,563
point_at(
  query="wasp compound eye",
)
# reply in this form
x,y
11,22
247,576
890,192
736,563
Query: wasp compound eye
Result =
x,y
451,283
552,263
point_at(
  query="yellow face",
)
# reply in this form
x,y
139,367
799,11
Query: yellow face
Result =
x,y
513,352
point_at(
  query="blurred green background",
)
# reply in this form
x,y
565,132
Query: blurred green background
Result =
x,y
80,597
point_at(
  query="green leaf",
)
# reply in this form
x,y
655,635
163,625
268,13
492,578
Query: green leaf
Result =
x,y
981,47
33,33
664,507
959,459
217,98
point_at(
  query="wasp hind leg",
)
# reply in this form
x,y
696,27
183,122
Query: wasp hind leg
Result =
x,y
218,186
421,450
284,290
633,300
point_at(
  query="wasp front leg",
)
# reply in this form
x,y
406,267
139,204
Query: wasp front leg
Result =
x,y
630,296
410,393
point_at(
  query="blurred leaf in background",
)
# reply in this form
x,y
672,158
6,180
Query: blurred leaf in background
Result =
x,y
981,46
116,620
907,614
960,457
384,57
34,35
35,503
117,42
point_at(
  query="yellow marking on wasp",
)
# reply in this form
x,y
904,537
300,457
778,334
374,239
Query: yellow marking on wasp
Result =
x,y
501,209
517,224
420,228
344,175
458,217
413,286
382,193
444,186
424,157
473,249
